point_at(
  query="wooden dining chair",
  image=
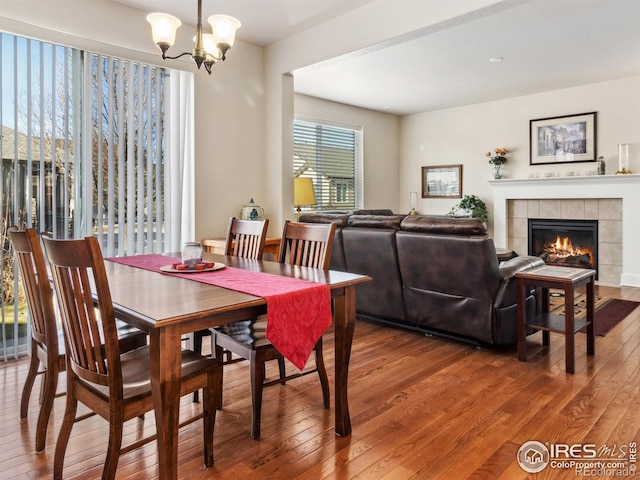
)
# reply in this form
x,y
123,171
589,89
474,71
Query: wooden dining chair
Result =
x,y
47,344
245,238
112,384
301,244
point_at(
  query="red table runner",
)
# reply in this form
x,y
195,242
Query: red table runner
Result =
x,y
298,311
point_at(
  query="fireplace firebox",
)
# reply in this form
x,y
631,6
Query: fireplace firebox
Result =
x,y
568,243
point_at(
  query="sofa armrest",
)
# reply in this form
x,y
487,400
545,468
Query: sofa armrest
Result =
x,y
507,294
509,268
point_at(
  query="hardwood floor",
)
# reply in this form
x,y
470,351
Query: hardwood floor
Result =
x,y
421,408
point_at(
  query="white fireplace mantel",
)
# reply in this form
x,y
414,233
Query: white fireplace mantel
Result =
x,y
626,187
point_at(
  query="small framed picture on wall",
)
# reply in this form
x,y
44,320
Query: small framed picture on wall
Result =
x,y
442,181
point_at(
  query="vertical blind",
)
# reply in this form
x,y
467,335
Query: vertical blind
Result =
x,y
126,119
38,106
83,145
331,156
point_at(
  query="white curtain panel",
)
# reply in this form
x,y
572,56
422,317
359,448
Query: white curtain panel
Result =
x,y
179,178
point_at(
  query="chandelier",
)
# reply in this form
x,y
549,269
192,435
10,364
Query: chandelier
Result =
x,y
208,48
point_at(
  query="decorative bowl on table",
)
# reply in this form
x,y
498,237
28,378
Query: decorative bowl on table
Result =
x,y
178,267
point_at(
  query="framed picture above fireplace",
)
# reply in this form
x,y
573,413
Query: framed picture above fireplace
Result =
x,y
566,139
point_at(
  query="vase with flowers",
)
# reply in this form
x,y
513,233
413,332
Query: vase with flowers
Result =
x,y
498,160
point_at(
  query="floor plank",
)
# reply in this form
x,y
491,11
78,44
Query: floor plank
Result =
x,y
422,407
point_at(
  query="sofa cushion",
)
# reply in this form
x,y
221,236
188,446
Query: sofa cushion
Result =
x,y
443,225
380,211
387,222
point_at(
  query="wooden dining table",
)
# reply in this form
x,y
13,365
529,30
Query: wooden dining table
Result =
x,y
168,307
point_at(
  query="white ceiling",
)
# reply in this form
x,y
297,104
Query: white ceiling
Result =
x,y
263,21
546,45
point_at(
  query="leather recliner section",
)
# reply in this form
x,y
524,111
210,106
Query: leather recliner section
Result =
x,y
372,251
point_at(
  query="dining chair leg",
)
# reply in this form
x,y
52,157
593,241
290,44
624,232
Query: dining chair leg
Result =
x,y
197,347
63,436
209,396
283,371
322,374
197,342
28,384
113,448
257,373
219,353
49,384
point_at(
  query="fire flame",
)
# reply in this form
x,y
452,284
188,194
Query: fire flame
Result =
x,y
563,248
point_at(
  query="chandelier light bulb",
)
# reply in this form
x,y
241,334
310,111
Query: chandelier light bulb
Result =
x,y
210,47
163,28
224,31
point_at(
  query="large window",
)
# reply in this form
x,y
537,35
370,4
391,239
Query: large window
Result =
x,y
84,152
332,156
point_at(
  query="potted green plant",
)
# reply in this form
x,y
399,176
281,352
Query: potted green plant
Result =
x,y
472,204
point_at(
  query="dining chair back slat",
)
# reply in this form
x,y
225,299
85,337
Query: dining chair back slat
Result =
x,y
245,238
307,245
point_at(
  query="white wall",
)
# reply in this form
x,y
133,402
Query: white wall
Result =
x,y
229,140
463,136
380,137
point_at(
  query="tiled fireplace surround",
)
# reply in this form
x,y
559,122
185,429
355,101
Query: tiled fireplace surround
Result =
x,y
608,212
613,200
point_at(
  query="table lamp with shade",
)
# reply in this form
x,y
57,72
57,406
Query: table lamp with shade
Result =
x,y
303,194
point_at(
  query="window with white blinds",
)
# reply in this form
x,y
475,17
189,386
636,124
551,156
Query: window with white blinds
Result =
x,y
332,157
125,119
84,144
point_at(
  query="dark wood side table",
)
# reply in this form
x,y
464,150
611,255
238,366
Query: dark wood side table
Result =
x,y
566,279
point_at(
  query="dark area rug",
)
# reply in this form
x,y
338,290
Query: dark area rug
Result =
x,y
609,311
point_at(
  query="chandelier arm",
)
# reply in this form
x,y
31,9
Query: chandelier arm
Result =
x,y
167,57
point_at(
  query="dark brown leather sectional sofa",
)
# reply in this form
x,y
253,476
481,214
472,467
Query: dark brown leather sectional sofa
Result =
x,y
438,275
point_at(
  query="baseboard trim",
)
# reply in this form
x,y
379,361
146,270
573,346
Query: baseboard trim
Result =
x,y
630,280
